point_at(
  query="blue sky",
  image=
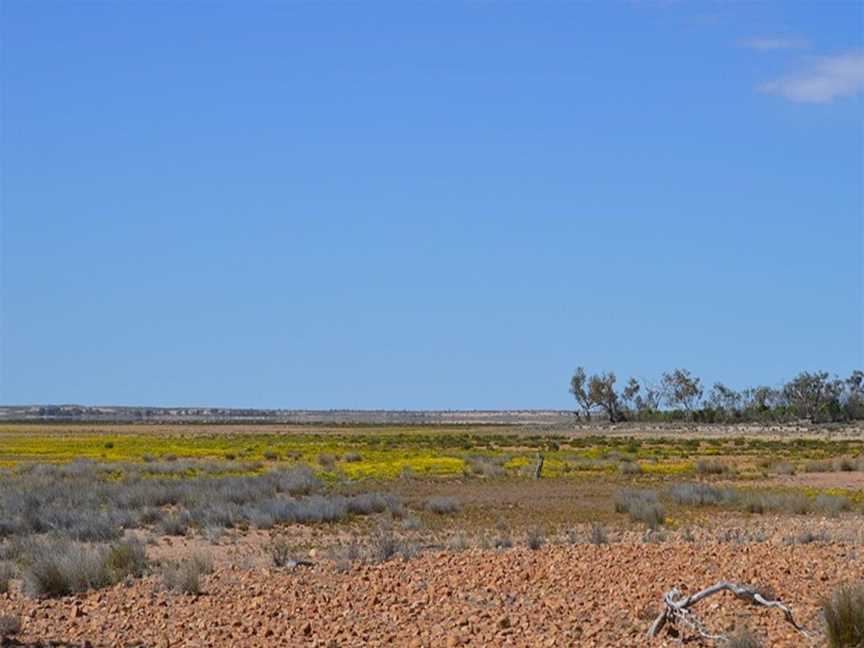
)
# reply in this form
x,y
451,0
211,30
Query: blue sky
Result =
x,y
436,205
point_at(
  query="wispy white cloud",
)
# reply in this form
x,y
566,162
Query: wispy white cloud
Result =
x,y
826,79
769,43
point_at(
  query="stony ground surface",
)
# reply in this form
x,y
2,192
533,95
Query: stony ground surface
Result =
x,y
576,595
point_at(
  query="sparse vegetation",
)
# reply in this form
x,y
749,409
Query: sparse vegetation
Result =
x,y
843,612
7,573
598,534
185,575
711,467
59,568
536,539
743,638
281,552
10,625
642,506
443,505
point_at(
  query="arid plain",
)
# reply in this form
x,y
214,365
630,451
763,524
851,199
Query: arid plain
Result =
x,y
483,535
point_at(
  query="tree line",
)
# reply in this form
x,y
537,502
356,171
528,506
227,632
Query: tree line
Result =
x,y
679,395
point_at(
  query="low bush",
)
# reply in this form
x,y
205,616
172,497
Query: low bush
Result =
x,y
384,546
175,525
844,616
483,466
60,568
536,539
598,535
629,468
760,503
443,505
784,468
458,541
808,537
185,576
642,506
281,552
10,625
327,461
7,573
832,504
743,638
701,495
126,559
711,467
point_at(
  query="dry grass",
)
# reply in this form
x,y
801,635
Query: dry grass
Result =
x,y
844,616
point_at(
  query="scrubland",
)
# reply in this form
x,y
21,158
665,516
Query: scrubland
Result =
x,y
427,536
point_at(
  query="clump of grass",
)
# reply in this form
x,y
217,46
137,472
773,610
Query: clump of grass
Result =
x,y
344,555
808,537
761,503
60,568
411,523
270,455
536,539
352,457
367,503
384,546
10,625
327,461
629,468
126,559
700,495
281,552
711,467
832,505
443,505
743,638
844,616
483,466
502,540
784,468
849,464
458,541
7,573
185,576
598,535
642,506
175,525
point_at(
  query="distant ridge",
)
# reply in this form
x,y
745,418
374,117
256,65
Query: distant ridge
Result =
x,y
133,414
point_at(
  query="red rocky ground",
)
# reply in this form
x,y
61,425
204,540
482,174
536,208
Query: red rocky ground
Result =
x,y
579,595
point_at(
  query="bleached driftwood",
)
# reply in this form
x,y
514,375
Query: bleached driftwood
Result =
x,y
676,609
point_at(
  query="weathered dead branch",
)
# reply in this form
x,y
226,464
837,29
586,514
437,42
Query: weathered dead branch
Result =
x,y
677,610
